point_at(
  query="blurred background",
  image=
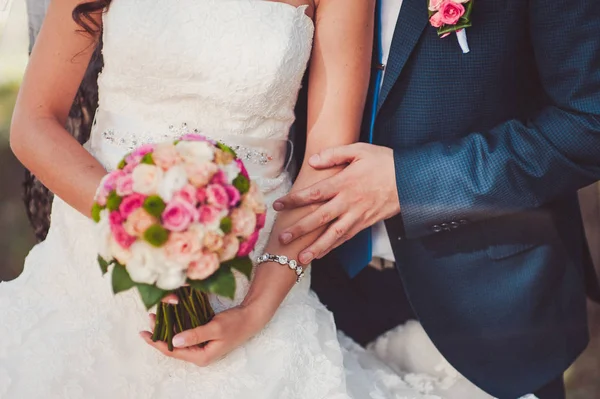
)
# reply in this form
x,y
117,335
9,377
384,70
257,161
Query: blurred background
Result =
x,y
17,237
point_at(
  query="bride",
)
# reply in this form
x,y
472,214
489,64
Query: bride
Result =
x,y
232,70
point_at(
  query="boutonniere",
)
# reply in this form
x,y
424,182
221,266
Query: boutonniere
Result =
x,y
450,16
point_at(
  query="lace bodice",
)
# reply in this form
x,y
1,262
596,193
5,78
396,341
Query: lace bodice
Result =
x,y
238,74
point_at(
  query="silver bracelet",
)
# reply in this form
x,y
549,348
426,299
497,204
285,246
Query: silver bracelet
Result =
x,y
283,260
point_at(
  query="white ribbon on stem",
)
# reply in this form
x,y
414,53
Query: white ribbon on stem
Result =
x,y
461,35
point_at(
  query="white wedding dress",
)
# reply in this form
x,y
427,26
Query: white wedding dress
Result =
x,y
230,69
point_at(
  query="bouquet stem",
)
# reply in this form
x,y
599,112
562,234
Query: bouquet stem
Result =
x,y
193,310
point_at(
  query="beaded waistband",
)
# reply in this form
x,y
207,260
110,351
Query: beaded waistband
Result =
x,y
114,135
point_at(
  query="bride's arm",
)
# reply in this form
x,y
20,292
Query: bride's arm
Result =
x,y
339,78
37,136
338,85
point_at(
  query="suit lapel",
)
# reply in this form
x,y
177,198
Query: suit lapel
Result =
x,y
412,20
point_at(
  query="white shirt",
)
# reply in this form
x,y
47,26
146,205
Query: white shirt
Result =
x,y
390,10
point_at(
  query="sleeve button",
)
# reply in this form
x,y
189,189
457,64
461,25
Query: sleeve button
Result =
x,y
437,228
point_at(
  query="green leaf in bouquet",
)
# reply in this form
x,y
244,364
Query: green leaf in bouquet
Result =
x,y
242,184
151,295
227,149
122,164
156,235
220,283
113,201
154,205
121,281
226,225
96,209
148,159
243,265
103,264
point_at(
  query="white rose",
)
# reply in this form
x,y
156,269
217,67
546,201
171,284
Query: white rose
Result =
x,y
145,263
104,236
146,179
121,254
232,170
195,151
171,279
173,181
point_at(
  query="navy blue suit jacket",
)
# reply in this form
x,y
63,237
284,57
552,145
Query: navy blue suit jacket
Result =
x,y
490,149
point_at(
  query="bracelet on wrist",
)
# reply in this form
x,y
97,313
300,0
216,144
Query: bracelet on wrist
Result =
x,y
284,261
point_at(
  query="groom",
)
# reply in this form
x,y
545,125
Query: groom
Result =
x,y
474,166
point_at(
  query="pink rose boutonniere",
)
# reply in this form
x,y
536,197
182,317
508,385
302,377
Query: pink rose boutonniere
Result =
x,y
452,16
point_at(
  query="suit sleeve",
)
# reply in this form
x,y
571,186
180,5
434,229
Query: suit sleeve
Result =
x,y
517,165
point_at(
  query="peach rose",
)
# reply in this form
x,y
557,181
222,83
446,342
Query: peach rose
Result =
x,y
243,221
254,200
165,156
138,222
200,174
182,247
203,266
213,241
231,246
146,179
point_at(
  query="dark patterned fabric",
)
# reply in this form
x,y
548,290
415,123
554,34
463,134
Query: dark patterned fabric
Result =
x,y
490,150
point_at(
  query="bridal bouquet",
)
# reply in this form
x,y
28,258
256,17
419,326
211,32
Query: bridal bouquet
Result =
x,y
178,217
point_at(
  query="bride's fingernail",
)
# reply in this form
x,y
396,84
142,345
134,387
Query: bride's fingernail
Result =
x,y
172,301
277,206
314,159
306,257
178,342
286,237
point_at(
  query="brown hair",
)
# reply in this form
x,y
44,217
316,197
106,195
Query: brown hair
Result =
x,y
82,15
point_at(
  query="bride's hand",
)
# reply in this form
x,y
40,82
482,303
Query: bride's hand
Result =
x,y
224,333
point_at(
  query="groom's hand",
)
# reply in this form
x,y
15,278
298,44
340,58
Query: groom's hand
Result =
x,y
362,194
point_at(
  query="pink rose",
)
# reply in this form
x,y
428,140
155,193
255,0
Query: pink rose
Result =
x,y
200,174
125,185
243,221
115,219
231,246
219,178
130,203
203,266
254,200
201,195
209,215
121,236
178,215
139,153
261,219
247,246
165,156
101,196
448,14
242,167
196,137
213,241
130,167
187,194
109,182
217,196
182,247
233,194
138,222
